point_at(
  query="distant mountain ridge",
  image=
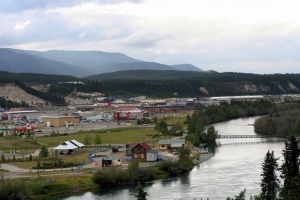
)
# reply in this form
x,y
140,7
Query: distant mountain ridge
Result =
x,y
75,63
18,62
187,67
146,75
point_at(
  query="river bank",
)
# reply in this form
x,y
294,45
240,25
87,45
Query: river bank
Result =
x,y
205,157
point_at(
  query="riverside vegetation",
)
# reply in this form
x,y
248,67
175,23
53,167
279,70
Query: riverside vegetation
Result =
x,y
284,120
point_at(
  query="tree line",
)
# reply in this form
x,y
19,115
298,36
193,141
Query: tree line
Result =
x,y
283,121
199,124
219,84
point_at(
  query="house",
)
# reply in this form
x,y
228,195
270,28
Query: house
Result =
x,y
171,144
111,160
138,151
152,155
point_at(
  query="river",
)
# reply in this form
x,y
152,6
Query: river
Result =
x,y
235,166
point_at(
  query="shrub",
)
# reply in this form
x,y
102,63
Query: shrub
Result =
x,y
12,190
176,168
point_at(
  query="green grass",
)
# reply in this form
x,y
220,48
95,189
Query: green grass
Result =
x,y
10,143
45,187
113,136
170,118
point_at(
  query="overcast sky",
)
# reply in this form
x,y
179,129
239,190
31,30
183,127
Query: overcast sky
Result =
x,y
253,36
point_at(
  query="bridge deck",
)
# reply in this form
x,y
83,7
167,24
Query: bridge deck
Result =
x,y
241,136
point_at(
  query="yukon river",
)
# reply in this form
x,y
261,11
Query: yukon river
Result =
x,y
236,165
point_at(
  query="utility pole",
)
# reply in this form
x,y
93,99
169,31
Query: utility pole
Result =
x,y
38,167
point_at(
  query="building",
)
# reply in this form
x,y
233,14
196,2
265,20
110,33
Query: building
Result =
x,y
111,160
17,115
162,109
152,155
68,147
60,121
4,131
171,144
138,151
88,109
128,113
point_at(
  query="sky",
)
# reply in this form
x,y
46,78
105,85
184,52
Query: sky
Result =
x,y
248,36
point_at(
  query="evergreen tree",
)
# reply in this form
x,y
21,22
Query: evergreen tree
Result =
x,y
30,157
98,140
290,169
241,196
269,182
183,153
44,152
140,193
162,127
87,139
3,158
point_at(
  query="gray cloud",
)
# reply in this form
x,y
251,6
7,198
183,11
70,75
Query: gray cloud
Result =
x,y
143,42
167,31
15,6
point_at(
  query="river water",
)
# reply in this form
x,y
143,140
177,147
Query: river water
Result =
x,y
236,165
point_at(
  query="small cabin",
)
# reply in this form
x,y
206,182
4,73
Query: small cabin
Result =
x,y
152,155
111,161
171,144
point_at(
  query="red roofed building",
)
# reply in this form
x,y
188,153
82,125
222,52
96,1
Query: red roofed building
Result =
x,y
138,151
27,130
128,113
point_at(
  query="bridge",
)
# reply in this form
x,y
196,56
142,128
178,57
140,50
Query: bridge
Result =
x,y
242,136
249,143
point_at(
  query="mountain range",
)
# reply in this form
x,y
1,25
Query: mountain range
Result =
x,y
77,63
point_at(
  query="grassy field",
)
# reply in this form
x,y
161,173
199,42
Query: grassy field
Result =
x,y
113,136
49,186
171,118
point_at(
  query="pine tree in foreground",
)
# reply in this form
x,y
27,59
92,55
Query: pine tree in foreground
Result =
x,y
290,170
269,182
140,193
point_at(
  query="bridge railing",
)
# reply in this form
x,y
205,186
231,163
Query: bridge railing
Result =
x,y
242,136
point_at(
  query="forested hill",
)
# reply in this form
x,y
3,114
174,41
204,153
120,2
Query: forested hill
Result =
x,y
205,84
153,83
146,75
32,78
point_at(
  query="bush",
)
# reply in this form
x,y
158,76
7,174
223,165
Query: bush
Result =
x,y
112,177
12,190
176,168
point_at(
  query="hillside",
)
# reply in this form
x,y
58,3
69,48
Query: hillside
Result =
x,y
167,84
74,63
206,84
13,92
19,62
33,78
146,75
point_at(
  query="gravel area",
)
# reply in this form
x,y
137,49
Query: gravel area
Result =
x,y
205,157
